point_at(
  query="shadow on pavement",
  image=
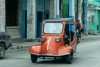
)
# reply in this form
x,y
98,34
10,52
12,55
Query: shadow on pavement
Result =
x,y
53,61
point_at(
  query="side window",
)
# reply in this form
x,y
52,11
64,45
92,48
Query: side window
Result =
x,y
67,29
69,33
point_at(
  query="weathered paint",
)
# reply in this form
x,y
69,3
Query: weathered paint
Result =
x,y
92,26
23,24
79,9
65,8
31,19
52,8
2,15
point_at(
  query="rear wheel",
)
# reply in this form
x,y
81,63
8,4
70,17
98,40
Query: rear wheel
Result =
x,y
2,51
34,58
70,58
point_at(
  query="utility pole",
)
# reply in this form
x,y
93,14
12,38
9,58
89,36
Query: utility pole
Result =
x,y
85,9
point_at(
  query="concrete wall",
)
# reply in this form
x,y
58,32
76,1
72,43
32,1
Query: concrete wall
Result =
x,y
2,15
31,19
52,8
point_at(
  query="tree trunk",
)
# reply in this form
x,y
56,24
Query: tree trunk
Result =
x,y
79,9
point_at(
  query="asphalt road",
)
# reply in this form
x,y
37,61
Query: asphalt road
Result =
x,y
88,56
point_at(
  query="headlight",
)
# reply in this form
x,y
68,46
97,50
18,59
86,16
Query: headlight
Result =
x,y
43,38
57,39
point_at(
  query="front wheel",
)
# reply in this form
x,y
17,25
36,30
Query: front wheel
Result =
x,y
34,58
2,51
70,58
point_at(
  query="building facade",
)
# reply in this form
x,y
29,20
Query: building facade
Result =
x,y
93,16
23,18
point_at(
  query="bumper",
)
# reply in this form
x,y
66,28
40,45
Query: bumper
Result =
x,y
50,55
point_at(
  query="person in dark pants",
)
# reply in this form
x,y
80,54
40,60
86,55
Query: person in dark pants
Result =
x,y
78,27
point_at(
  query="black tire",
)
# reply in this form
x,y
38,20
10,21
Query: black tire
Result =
x,y
34,58
2,51
70,58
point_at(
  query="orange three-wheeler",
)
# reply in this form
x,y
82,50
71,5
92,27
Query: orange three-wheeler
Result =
x,y
57,40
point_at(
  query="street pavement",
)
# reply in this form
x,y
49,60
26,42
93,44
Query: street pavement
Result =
x,y
88,56
23,43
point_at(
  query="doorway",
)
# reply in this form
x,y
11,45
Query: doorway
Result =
x,y
12,18
11,12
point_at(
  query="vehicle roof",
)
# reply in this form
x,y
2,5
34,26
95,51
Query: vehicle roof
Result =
x,y
70,20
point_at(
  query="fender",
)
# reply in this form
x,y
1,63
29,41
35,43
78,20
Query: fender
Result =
x,y
2,41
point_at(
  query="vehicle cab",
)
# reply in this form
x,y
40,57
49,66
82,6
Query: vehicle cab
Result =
x,y
57,40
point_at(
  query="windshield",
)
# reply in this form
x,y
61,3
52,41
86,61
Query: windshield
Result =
x,y
53,28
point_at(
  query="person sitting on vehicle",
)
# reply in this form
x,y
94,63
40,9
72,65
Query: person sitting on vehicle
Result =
x,y
66,38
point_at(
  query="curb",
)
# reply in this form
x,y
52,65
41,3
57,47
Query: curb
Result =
x,y
85,39
20,47
23,46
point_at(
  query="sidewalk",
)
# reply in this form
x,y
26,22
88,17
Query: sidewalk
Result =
x,y
23,43
90,37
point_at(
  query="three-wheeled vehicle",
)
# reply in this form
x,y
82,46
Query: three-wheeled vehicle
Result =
x,y
57,40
